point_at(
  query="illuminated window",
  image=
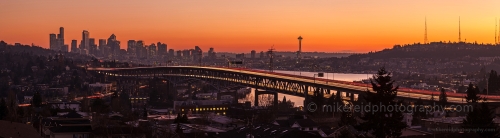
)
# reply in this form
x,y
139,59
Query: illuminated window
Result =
x,y
182,110
224,113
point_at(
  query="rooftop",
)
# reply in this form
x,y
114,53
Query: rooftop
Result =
x,y
17,130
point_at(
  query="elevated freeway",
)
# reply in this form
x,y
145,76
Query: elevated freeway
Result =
x,y
284,83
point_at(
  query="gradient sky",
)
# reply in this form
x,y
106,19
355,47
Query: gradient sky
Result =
x,y
244,25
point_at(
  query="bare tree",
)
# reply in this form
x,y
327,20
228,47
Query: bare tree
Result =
x,y
266,100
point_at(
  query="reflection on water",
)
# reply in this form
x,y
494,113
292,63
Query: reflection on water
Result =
x,y
299,101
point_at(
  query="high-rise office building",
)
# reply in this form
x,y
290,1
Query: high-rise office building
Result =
x,y
186,54
252,54
131,47
210,53
102,46
92,46
60,39
53,42
162,49
179,53
197,53
262,55
140,50
57,41
64,48
92,41
74,49
114,45
61,32
85,44
151,50
240,56
171,52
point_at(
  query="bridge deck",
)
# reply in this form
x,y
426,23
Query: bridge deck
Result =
x,y
402,92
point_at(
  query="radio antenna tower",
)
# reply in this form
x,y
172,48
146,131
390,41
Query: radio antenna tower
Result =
x,y
459,33
425,34
270,52
498,40
496,25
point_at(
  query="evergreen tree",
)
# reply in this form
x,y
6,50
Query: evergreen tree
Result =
x,y
115,102
3,109
99,106
126,105
145,114
27,68
472,92
285,106
178,118
418,112
20,112
338,98
184,119
481,119
318,98
382,123
345,133
493,81
347,118
37,99
443,100
178,129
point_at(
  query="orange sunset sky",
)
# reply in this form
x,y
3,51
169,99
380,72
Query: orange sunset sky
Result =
x,y
244,25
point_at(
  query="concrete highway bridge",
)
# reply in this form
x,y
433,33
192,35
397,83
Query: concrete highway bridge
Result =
x,y
271,81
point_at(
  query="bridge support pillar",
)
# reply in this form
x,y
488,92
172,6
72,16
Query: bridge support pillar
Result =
x,y
306,95
256,95
275,102
352,97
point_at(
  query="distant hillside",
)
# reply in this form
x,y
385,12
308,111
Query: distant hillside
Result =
x,y
435,50
291,54
39,51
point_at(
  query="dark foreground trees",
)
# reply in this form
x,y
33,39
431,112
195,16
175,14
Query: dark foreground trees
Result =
x,y
481,119
382,123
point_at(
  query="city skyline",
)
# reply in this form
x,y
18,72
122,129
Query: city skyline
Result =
x,y
246,26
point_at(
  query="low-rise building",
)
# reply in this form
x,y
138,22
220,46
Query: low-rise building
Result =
x,y
200,106
100,87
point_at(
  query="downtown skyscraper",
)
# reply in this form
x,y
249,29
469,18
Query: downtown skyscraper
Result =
x,y
162,49
57,42
85,44
131,48
53,42
74,48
